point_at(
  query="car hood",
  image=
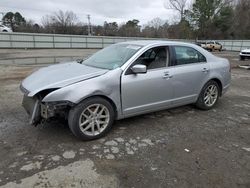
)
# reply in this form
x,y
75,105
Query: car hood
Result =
x,y
58,76
246,50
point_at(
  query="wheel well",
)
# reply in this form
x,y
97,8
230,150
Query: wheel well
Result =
x,y
106,98
219,83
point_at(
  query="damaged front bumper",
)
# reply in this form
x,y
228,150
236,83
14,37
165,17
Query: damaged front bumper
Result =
x,y
32,107
52,109
39,110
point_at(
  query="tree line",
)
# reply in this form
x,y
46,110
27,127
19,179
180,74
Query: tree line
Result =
x,y
202,19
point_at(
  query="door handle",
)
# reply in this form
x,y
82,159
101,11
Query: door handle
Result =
x,y
205,70
167,75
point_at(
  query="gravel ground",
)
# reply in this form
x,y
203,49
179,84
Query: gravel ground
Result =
x,y
181,147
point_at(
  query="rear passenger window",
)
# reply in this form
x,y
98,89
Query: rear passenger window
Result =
x,y
187,55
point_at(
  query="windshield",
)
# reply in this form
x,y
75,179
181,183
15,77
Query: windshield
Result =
x,y
113,56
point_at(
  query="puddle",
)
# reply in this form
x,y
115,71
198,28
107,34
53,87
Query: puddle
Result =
x,y
38,60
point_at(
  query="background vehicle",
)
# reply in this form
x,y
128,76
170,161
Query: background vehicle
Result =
x,y
4,28
245,54
199,43
211,46
124,80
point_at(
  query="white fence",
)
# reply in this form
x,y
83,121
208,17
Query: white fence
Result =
x,y
37,40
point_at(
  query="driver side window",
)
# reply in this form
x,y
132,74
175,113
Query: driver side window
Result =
x,y
154,58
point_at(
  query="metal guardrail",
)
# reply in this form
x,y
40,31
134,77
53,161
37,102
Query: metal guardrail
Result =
x,y
38,40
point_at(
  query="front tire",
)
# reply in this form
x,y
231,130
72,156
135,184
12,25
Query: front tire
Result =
x,y
209,95
242,58
91,119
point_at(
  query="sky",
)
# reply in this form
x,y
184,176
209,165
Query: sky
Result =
x,y
100,10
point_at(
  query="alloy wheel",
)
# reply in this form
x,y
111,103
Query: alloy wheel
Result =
x,y
94,119
211,95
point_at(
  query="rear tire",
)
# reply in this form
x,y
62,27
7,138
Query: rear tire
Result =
x,y
91,119
209,95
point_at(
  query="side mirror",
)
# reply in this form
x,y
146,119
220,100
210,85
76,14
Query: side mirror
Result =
x,y
139,69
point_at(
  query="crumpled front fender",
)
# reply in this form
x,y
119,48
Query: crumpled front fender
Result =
x,y
107,85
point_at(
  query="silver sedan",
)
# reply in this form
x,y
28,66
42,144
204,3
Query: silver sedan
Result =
x,y
124,80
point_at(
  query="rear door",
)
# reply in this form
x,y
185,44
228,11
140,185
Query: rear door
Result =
x,y
189,71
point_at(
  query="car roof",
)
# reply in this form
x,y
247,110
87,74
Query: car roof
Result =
x,y
150,43
155,42
246,50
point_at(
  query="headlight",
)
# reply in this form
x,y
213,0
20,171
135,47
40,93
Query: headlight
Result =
x,y
49,109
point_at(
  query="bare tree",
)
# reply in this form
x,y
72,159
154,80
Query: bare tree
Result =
x,y
60,22
156,23
67,18
177,5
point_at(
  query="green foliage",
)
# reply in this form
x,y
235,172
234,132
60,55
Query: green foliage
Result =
x,y
224,19
181,30
13,19
130,29
202,15
211,18
241,23
110,29
133,23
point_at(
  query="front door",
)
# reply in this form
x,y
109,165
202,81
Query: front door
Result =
x,y
151,90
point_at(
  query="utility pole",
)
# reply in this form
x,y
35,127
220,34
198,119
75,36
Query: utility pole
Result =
x,y
89,25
